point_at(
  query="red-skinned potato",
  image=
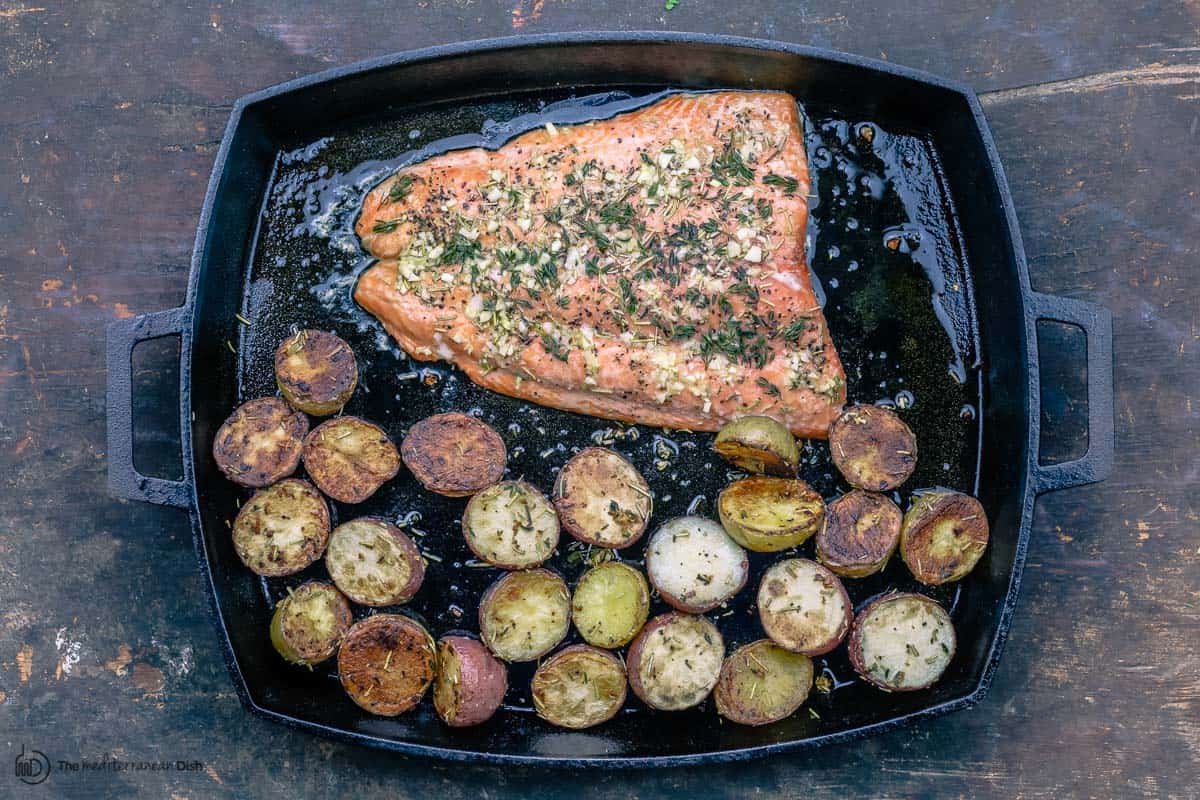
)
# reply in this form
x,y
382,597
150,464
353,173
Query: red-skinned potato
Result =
x,y
675,661
470,683
902,642
803,607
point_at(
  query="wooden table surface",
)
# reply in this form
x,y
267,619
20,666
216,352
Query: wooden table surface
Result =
x,y
111,115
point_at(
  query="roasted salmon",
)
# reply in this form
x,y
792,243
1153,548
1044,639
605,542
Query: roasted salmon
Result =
x,y
647,268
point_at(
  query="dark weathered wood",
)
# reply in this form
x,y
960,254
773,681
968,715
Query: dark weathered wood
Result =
x,y
110,120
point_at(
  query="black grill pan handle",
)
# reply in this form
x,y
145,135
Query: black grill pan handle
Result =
x,y
123,479
1096,321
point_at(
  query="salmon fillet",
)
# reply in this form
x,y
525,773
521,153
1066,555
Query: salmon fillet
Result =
x,y
647,268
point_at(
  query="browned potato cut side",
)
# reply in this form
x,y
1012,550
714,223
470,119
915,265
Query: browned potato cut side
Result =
x,y
762,683
767,514
470,682
694,564
872,448
454,454
386,663
860,534
511,525
610,605
260,442
349,458
902,642
579,687
316,372
602,498
374,562
282,529
943,536
675,661
760,445
309,623
524,615
803,607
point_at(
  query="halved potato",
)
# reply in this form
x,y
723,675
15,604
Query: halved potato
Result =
x,y
860,534
470,682
762,683
386,663
694,564
524,615
349,458
770,514
308,624
374,562
454,454
803,607
872,448
759,445
611,604
260,442
602,498
282,529
675,661
511,525
316,372
902,642
943,536
578,687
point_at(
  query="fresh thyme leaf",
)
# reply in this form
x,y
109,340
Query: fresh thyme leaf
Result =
x,y
401,188
768,387
385,226
789,185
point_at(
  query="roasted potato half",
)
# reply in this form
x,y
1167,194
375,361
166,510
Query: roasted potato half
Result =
x,y
860,534
349,458
675,661
260,442
602,499
308,624
316,372
943,536
694,564
454,454
872,448
386,663
902,642
803,607
611,604
762,683
511,525
524,615
578,687
282,529
470,682
759,445
768,514
374,563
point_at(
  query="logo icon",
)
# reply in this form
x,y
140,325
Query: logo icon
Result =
x,y
32,766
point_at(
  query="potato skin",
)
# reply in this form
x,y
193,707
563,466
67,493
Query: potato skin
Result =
x,y
599,487
274,508
786,628
386,663
738,501
854,644
943,536
640,684
568,662
760,445
260,443
765,660
860,534
316,372
408,552
454,454
345,474
295,644
513,587
470,683
872,448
